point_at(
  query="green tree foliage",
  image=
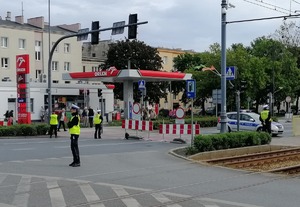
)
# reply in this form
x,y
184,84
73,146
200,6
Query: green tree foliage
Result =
x,y
141,57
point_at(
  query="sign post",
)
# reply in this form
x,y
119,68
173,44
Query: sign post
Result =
x,y
191,93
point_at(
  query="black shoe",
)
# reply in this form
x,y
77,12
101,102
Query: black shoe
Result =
x,y
65,130
95,137
55,136
72,164
50,136
99,138
76,165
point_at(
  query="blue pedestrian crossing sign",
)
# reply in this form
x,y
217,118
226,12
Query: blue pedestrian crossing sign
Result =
x,y
230,73
191,88
142,84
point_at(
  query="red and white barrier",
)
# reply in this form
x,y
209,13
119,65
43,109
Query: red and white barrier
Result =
x,y
179,129
137,125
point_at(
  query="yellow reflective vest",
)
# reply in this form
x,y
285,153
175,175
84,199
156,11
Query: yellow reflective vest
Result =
x,y
53,119
97,119
76,128
264,114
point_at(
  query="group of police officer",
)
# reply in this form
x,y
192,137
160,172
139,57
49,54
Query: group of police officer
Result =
x,y
74,130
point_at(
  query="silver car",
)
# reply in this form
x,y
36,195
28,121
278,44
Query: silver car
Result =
x,y
249,121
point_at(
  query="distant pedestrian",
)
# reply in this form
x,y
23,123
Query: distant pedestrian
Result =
x,y
74,129
91,116
6,115
98,124
62,120
85,117
11,117
42,114
53,124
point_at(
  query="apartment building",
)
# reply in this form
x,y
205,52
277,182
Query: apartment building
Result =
x,y
32,37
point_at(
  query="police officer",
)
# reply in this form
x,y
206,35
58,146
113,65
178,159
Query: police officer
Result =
x,y
265,118
98,124
74,130
53,124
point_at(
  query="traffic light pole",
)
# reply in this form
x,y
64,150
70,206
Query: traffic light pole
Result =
x,y
69,36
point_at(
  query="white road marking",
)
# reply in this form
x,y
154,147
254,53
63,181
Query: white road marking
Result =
x,y
23,149
89,193
227,202
163,199
56,195
22,192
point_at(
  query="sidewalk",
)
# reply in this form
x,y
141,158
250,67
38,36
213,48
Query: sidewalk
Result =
x,y
288,141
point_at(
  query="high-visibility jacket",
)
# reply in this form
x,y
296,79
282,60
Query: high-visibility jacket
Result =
x,y
76,128
53,119
97,119
264,115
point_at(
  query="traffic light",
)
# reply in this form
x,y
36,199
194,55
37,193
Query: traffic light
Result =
x,y
99,92
132,30
95,35
243,86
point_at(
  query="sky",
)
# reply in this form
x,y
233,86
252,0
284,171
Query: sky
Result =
x,y
185,24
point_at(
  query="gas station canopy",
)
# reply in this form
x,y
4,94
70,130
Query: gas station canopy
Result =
x,y
113,75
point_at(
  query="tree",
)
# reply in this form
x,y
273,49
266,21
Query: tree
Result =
x,y
141,56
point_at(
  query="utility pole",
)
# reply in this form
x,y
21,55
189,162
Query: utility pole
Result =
x,y
223,66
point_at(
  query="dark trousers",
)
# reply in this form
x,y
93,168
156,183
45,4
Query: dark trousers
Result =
x,y
53,128
267,127
98,128
74,148
91,120
63,124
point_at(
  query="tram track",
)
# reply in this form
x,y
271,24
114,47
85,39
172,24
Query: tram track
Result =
x,y
285,161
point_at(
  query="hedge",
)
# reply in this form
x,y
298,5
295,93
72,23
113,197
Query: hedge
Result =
x,y
212,142
24,130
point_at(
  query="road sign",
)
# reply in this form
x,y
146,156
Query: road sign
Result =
x,y
142,84
230,73
191,88
216,95
117,28
179,113
83,37
136,108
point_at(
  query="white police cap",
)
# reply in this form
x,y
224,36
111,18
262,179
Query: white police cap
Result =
x,y
266,106
74,106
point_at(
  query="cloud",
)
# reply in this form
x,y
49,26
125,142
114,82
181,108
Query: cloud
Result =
x,y
187,24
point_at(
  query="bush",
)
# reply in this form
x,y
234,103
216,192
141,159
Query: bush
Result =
x,y
24,130
212,142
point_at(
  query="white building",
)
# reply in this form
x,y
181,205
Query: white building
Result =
x,y
17,38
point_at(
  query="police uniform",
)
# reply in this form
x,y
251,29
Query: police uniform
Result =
x,y
53,124
98,126
74,130
265,118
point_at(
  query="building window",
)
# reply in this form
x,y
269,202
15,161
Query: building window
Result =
x,y
4,42
67,48
55,81
4,63
94,68
67,66
22,44
165,60
83,68
93,54
56,49
54,66
38,50
31,104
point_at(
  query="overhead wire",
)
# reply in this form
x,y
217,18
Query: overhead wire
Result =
x,y
268,6
296,1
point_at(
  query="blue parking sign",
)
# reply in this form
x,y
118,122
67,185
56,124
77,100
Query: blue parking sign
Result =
x,y
191,88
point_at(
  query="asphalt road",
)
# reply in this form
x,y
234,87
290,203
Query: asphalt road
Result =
x,y
117,172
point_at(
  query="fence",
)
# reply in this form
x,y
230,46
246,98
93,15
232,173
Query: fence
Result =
x,y
178,129
137,125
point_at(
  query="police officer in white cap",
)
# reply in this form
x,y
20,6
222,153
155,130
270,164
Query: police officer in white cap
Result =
x,y
265,118
98,124
74,130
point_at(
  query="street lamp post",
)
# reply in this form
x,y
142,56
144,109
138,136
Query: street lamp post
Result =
x,y
223,66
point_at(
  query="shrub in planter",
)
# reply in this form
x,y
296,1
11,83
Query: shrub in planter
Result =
x,y
42,129
26,130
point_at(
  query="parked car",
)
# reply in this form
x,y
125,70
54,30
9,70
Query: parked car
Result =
x,y
249,121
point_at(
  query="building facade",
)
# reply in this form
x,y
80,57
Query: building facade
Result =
x,y
32,37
